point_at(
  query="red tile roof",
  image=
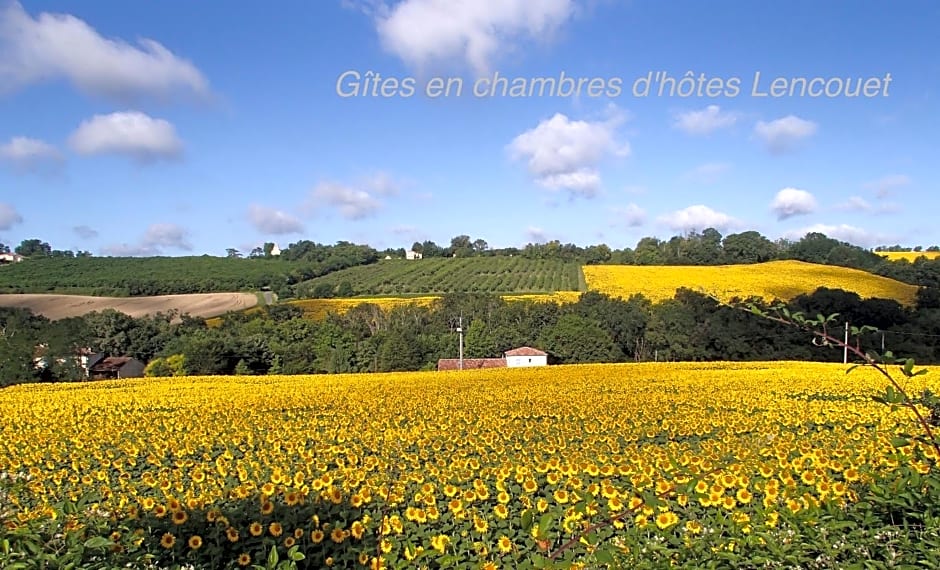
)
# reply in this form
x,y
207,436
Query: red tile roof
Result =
x,y
525,351
111,364
470,363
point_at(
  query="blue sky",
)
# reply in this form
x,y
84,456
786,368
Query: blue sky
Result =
x,y
133,128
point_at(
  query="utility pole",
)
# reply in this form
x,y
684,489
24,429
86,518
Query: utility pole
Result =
x,y
845,350
460,333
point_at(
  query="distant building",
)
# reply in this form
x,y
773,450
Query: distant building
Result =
x,y
6,258
515,358
526,356
114,367
470,363
412,255
275,250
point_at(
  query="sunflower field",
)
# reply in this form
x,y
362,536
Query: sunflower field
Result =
x,y
771,280
502,468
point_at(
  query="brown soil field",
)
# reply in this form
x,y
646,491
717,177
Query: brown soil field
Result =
x,y
197,305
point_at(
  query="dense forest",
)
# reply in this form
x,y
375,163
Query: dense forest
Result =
x,y
289,274
278,339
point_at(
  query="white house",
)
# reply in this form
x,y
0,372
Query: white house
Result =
x,y
412,255
525,356
275,250
10,258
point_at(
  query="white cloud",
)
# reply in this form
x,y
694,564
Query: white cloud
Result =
x,y
60,46
352,203
842,232
425,33
536,235
707,173
271,221
167,235
698,218
27,154
9,217
155,239
855,204
383,184
85,232
706,121
404,230
631,215
129,133
784,135
888,185
635,189
790,202
564,154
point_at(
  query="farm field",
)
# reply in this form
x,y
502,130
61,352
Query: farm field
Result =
x,y
774,279
319,308
448,275
197,304
909,255
481,468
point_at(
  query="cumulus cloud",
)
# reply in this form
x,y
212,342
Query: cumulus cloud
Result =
x,y
843,232
562,154
784,135
698,218
790,202
30,155
383,184
9,217
52,47
631,215
536,235
705,121
888,185
707,173
427,33
85,232
130,133
352,203
271,221
156,238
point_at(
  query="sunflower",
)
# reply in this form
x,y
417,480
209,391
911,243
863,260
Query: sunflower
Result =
x,y
743,496
275,529
167,540
244,559
267,507
195,542
232,534
357,529
255,529
179,517
504,545
480,525
298,533
501,511
159,511
289,541
530,486
316,536
337,535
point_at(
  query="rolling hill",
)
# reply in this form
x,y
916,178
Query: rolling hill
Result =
x,y
909,255
197,305
774,279
435,276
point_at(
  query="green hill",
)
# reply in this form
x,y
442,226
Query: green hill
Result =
x,y
446,275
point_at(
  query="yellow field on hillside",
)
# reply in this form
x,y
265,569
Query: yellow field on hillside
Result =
x,y
484,465
908,255
319,308
775,279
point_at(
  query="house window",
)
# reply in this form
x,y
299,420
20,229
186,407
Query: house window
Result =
x,y
530,360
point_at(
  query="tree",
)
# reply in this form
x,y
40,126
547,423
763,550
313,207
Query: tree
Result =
x,y
576,339
256,252
480,245
268,248
34,247
748,247
4,248
232,252
461,246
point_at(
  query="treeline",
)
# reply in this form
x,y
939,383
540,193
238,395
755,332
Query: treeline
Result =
x,y
597,328
46,271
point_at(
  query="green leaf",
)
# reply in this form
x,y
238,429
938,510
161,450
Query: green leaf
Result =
x,y
900,441
544,523
604,557
272,557
527,520
97,542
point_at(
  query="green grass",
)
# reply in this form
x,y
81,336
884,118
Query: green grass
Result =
x,y
399,277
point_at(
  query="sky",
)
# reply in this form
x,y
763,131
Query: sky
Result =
x,y
180,128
